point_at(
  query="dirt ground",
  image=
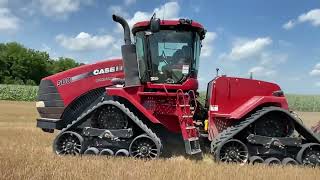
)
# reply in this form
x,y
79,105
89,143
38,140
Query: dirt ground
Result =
x,y
26,153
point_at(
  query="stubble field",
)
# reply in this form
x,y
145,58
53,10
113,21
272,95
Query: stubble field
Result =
x,y
26,153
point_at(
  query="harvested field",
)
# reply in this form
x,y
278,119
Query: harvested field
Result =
x,y
26,153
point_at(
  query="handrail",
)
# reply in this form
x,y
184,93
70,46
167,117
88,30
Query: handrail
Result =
x,y
194,99
179,91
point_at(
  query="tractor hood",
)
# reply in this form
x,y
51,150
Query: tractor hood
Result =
x,y
57,91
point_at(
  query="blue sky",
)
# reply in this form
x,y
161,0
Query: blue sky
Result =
x,y
277,41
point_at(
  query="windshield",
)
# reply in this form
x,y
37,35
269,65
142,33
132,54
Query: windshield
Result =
x,y
171,56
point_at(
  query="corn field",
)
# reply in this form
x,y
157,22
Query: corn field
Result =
x,y
307,103
18,92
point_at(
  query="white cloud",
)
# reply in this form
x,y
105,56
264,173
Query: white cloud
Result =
x,y
313,17
60,8
268,64
8,21
317,84
129,2
118,10
272,59
3,3
246,49
260,71
207,48
84,41
316,70
169,10
285,43
289,25
45,47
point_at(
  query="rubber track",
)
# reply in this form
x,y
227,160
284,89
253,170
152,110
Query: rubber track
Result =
x,y
125,110
230,132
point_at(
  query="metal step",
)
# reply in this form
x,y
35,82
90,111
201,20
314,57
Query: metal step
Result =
x,y
193,139
184,105
192,146
195,151
190,127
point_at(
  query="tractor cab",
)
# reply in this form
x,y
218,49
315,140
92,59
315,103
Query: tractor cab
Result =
x,y
164,52
168,51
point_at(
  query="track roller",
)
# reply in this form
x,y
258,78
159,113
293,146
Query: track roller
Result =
x,y
91,151
289,161
309,154
272,161
106,152
68,143
122,152
232,151
255,160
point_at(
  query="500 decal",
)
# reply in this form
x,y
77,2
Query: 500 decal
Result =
x,y
64,81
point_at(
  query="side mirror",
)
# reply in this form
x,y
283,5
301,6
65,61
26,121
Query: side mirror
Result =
x,y
155,25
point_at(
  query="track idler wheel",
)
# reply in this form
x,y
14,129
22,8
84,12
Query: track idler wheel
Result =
x,y
272,161
91,151
274,125
122,152
68,143
232,151
144,147
255,160
309,154
106,152
289,161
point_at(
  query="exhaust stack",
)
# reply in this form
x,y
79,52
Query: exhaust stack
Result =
x,y
125,26
129,56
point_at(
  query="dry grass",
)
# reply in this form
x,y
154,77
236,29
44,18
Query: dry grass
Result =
x,y
25,153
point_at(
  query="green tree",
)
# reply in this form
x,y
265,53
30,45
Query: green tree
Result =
x,y
63,64
21,65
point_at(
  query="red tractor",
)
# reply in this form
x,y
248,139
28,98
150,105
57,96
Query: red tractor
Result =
x,y
145,105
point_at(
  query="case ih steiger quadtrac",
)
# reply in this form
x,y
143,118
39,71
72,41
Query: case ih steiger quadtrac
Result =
x,y
145,105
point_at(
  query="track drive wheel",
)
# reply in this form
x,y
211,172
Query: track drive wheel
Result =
x,y
68,143
144,147
110,117
309,154
232,151
274,125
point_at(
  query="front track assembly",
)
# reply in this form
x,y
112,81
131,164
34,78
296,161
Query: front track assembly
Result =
x,y
87,135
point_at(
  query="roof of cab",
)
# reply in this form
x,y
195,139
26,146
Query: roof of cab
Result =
x,y
171,24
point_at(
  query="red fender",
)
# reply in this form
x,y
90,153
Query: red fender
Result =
x,y
131,94
258,101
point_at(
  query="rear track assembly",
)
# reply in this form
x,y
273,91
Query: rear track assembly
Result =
x,y
309,153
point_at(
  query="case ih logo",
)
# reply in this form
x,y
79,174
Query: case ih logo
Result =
x,y
96,72
107,70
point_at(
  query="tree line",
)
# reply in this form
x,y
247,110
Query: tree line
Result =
x,y
25,66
